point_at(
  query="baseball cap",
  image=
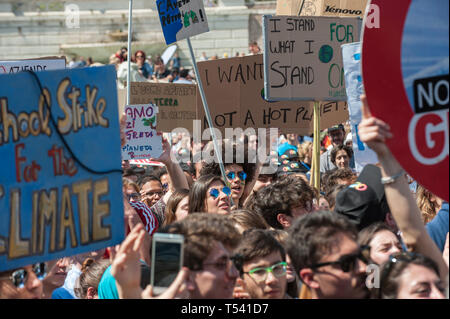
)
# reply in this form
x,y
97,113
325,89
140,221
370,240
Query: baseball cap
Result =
x,y
336,127
363,202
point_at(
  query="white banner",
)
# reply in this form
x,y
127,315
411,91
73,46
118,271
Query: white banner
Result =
x,y
351,54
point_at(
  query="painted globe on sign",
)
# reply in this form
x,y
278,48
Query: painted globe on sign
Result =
x,y
325,53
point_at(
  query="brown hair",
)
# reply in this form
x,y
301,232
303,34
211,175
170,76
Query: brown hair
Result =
x,y
391,271
198,192
331,179
338,148
366,235
172,204
312,236
91,273
129,183
280,197
200,232
248,219
257,243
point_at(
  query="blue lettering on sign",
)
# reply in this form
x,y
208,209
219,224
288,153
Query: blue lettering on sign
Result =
x,y
361,146
171,19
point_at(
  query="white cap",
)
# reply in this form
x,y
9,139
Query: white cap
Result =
x,y
348,138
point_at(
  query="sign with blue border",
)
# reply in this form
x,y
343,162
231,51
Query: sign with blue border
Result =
x,y
54,203
181,19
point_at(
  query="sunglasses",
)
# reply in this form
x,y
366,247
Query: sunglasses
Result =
x,y
349,262
150,194
20,276
139,56
232,175
214,192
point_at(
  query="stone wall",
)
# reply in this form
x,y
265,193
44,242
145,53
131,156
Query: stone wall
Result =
x,y
34,33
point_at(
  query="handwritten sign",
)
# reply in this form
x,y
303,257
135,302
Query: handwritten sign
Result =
x,y
50,205
351,8
234,89
177,103
35,65
351,54
142,140
303,59
181,19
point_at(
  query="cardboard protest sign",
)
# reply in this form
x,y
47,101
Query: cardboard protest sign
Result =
x,y
142,140
35,65
407,85
350,8
181,19
177,103
234,89
51,205
303,59
351,54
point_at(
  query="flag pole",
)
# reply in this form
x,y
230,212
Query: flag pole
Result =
x,y
130,36
217,150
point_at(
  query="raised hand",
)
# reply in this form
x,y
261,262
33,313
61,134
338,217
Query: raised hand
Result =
x,y
125,267
165,157
177,290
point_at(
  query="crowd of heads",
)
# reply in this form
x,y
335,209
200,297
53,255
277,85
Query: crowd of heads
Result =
x,y
255,234
251,232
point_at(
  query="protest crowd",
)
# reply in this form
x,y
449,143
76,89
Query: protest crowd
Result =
x,y
251,232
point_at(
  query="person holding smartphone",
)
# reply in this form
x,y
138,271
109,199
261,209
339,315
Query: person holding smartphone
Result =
x,y
208,271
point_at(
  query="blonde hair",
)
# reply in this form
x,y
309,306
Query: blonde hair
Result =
x,y
303,150
426,201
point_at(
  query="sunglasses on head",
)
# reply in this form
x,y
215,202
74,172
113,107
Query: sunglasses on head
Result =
x,y
232,175
348,262
214,192
19,277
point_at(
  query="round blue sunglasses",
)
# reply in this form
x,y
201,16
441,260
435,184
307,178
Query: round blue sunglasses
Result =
x,y
214,192
232,175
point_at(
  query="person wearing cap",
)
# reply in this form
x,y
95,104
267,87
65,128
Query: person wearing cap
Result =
x,y
337,136
364,202
291,144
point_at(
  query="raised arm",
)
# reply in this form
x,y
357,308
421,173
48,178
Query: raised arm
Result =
x,y
401,202
174,170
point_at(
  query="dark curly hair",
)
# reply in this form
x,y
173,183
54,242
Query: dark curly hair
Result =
x,y
280,197
338,148
247,166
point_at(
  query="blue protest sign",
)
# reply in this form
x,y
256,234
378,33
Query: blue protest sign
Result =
x,y
351,55
181,19
53,204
